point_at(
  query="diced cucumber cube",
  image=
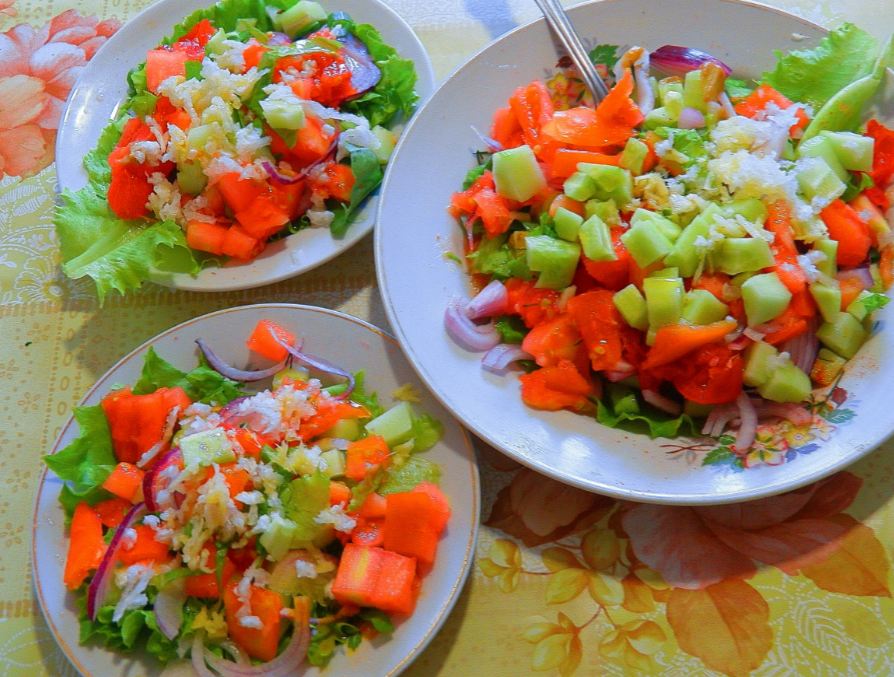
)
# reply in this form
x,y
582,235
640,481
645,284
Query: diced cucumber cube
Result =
x,y
664,301
300,16
207,447
646,243
659,117
817,179
634,156
702,307
335,462
606,210
667,227
828,299
290,374
673,104
787,383
632,306
750,208
281,114
567,224
693,92
517,175
579,186
668,85
555,260
669,273
684,255
854,151
387,141
191,178
857,308
347,429
821,147
759,363
277,537
844,335
742,255
394,425
596,240
765,298
827,367
610,182
829,265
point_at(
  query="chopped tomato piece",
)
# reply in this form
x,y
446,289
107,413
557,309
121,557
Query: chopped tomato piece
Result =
x,y
756,102
849,230
558,387
552,341
86,546
262,342
533,305
261,643
599,323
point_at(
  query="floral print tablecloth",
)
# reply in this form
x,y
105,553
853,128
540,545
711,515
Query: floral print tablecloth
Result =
x,y
565,582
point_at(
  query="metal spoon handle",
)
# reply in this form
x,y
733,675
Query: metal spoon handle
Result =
x,y
560,23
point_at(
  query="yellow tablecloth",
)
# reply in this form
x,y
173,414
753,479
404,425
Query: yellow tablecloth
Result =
x,y
565,582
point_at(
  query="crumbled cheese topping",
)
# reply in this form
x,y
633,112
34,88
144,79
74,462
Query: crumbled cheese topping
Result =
x,y
335,515
132,581
305,569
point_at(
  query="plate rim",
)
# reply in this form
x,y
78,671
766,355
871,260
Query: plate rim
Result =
x,y
614,491
475,483
426,79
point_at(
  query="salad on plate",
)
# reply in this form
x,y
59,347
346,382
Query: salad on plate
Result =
x,y
251,121
695,254
250,532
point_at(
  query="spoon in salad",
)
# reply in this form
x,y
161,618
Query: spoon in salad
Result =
x,y
559,21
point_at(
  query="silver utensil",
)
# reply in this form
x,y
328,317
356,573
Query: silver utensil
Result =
x,y
560,23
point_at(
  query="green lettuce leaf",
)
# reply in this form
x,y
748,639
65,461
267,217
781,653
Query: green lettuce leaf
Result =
x,y
360,396
202,383
427,430
496,258
657,424
395,93
511,328
85,463
367,177
227,15
737,89
117,254
137,628
606,55
416,469
815,75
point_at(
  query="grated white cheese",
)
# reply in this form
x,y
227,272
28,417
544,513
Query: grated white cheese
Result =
x,y
132,581
305,569
335,515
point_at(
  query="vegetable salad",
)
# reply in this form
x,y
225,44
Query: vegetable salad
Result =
x,y
694,247
248,531
250,122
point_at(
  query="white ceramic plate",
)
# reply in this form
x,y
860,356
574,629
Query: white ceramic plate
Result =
x,y
346,341
416,279
102,87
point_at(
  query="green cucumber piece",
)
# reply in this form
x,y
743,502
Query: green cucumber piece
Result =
x,y
743,255
765,298
668,85
335,462
828,299
387,142
702,307
394,425
347,429
693,92
659,117
606,210
191,178
664,301
817,180
666,273
787,383
207,447
567,224
281,114
760,361
610,182
555,260
633,157
822,147
854,151
632,306
684,254
844,335
646,243
596,240
517,175
829,266
857,308
299,17
277,538
667,227
750,208
579,186
292,374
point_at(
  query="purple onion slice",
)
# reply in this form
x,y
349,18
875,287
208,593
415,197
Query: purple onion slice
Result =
x,y
320,365
99,585
233,373
677,60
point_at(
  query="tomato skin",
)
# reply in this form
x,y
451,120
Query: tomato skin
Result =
x,y
710,375
557,387
614,275
597,319
552,341
531,304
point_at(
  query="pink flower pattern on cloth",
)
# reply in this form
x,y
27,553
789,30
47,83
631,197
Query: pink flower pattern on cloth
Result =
x,y
38,67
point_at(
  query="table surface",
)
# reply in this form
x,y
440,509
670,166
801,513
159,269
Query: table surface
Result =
x,y
565,582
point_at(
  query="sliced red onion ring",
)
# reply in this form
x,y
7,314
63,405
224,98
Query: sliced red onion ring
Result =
x,y
319,364
235,651
753,334
803,349
498,358
279,177
168,609
676,60
99,585
233,373
861,274
718,419
277,39
690,118
747,424
166,435
661,402
790,411
290,663
492,145
488,302
152,480
470,336
365,74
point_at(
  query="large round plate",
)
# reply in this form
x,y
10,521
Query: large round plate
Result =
x,y
344,340
102,87
416,278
